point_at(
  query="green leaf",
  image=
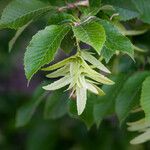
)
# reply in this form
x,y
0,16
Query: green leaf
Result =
x,y
128,97
91,33
124,8
115,41
68,43
19,12
143,6
61,18
107,54
25,113
56,105
145,98
18,33
94,7
42,48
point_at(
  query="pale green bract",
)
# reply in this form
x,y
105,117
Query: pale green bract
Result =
x,y
142,126
80,76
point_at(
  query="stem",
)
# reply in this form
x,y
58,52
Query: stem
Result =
x,y
78,46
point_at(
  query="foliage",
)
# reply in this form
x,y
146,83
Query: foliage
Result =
x,y
98,38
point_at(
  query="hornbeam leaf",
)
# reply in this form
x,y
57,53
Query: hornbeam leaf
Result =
x,y
91,33
124,8
18,33
56,105
143,7
115,41
129,95
19,12
25,112
145,98
42,48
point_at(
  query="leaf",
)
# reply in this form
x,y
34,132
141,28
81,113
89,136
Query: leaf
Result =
x,y
143,6
25,113
126,14
107,54
42,48
18,33
115,41
91,33
68,43
61,18
94,7
145,98
125,9
56,105
129,95
19,12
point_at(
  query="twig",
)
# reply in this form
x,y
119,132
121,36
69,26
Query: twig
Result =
x,y
74,5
